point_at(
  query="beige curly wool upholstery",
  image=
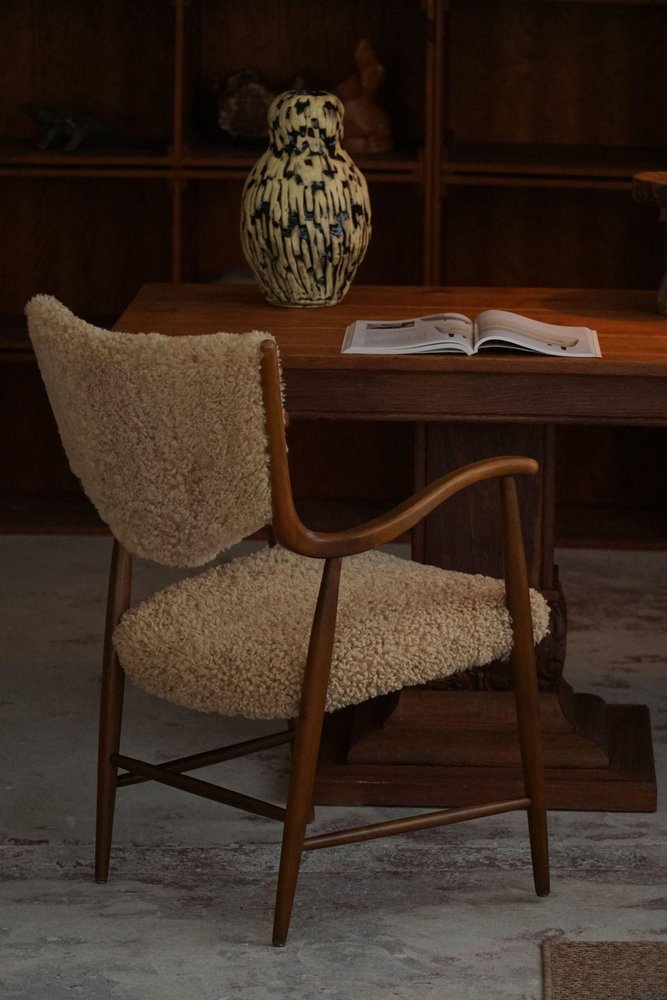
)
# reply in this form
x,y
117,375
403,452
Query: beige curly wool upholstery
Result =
x,y
167,436
165,433
234,638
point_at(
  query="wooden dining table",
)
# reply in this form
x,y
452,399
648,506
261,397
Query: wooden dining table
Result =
x,y
453,742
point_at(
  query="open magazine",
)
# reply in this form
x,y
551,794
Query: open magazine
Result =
x,y
457,334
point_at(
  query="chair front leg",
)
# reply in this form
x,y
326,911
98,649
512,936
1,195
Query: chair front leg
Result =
x,y
306,745
524,679
111,708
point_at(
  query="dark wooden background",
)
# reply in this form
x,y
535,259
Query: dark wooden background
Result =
x,y
517,126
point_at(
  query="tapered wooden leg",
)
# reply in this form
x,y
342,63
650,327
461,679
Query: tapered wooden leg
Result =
x,y
111,709
306,746
525,689
524,677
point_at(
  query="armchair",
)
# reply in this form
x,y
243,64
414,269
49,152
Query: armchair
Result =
x,y
180,444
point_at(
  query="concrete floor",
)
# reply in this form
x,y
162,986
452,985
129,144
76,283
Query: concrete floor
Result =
x,y
447,914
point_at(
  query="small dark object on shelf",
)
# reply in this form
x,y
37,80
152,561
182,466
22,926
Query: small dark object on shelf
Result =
x,y
234,110
366,126
242,104
67,129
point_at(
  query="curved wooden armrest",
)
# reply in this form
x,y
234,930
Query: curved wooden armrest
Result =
x,y
293,534
288,528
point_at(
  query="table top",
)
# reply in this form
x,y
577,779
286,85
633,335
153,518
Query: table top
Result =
x,y
626,385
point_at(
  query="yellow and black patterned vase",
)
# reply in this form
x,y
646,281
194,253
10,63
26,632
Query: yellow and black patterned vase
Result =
x,y
305,215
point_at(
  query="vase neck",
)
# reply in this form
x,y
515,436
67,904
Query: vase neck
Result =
x,y
305,123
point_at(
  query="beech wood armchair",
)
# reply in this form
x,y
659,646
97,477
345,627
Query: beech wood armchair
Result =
x,y
147,405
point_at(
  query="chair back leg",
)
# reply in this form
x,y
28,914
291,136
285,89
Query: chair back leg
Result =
x,y
111,709
524,679
306,746
530,741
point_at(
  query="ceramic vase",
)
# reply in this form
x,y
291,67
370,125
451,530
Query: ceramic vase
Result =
x,y
305,215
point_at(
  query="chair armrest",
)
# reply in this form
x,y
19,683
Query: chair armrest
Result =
x,y
291,533
389,526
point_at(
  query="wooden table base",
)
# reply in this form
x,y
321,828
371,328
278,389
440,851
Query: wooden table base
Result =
x,y
465,751
455,742
461,749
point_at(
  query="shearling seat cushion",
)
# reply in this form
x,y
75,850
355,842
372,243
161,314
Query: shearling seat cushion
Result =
x,y
234,638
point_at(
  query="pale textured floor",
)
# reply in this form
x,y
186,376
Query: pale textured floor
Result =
x,y
446,914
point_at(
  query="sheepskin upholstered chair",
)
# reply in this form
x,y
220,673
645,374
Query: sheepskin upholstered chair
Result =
x,y
180,444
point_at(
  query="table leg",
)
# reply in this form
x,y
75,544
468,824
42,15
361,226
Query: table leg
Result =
x,y
454,742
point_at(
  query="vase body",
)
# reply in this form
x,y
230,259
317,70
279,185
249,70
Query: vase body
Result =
x,y
305,213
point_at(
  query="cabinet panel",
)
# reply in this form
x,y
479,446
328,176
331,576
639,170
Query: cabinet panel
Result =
x,y
599,464
611,485
212,245
549,236
31,455
395,254
344,472
91,242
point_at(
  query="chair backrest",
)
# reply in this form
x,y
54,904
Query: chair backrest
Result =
x,y
166,434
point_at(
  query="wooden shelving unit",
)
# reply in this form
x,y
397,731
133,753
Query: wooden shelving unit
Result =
x,y
517,127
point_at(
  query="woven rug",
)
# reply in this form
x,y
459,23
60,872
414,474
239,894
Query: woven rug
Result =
x,y
605,970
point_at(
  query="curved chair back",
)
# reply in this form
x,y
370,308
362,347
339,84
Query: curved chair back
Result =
x,y
166,434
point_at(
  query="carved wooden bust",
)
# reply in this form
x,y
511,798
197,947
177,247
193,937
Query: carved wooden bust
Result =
x,y
367,128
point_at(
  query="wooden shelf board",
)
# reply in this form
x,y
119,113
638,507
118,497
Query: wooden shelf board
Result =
x,y
605,163
140,153
404,164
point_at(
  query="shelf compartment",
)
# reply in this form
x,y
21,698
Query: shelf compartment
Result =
x,y
395,252
557,73
112,59
549,237
90,242
281,41
139,153
211,222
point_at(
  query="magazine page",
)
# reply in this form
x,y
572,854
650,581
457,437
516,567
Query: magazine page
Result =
x,y
497,328
442,332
